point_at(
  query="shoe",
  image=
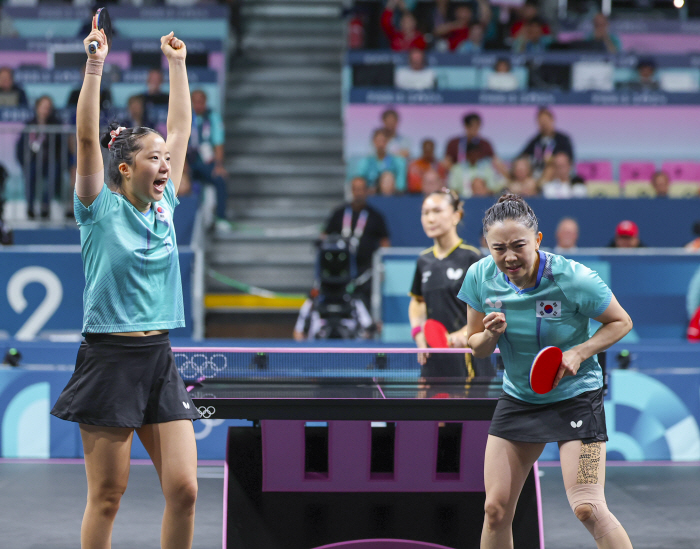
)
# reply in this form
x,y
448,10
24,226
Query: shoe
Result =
x,y
222,226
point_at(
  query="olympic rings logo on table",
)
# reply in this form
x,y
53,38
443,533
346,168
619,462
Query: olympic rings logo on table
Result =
x,y
199,364
206,411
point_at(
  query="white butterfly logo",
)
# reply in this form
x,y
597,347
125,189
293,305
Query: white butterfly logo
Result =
x,y
454,274
496,305
576,425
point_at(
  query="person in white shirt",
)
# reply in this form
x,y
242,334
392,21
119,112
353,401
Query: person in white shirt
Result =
x,y
416,76
566,236
556,179
502,78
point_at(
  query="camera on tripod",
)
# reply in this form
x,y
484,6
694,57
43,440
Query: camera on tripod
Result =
x,y
334,311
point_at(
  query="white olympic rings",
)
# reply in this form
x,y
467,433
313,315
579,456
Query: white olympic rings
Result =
x,y
192,366
206,412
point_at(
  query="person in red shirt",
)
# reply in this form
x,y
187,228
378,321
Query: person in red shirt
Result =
x,y
407,37
457,31
527,13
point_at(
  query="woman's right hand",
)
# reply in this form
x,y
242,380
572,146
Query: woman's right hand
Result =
x,y
495,323
101,39
421,343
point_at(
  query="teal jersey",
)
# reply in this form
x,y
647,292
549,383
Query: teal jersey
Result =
x,y
131,264
556,311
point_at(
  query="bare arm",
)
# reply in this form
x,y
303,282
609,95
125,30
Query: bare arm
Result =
x,y
87,120
417,315
616,324
179,106
483,331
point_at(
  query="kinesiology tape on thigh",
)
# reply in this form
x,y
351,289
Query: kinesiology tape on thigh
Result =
x,y
601,521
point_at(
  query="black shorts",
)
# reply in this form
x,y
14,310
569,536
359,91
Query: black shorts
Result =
x,y
579,418
124,381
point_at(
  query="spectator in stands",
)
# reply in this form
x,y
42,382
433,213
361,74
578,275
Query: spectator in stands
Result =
x,y
441,14
419,166
205,153
533,39
137,113
646,77
472,156
11,95
381,161
601,34
407,36
7,26
557,181
566,236
521,181
416,76
39,153
105,96
502,78
455,32
660,182
154,96
626,236
527,12
362,222
480,187
398,145
387,184
432,182
475,43
547,142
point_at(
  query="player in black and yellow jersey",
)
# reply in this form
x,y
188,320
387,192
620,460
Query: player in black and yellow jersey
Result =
x,y
439,274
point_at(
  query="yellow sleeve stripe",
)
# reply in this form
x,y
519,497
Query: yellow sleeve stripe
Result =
x,y
468,247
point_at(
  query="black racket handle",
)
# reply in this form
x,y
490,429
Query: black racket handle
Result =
x,y
93,46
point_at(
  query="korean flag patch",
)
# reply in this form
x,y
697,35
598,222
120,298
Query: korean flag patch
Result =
x,y
161,214
548,309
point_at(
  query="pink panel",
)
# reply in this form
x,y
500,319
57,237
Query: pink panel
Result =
x,y
682,171
595,171
636,171
660,43
349,455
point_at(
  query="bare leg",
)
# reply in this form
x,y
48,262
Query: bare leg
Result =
x,y
585,464
173,449
107,460
506,466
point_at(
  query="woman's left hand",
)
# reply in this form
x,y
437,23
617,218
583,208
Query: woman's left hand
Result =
x,y
173,48
457,339
570,363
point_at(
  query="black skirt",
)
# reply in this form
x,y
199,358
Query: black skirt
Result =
x,y
579,418
123,381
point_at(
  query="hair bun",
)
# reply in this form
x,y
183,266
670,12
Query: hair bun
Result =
x,y
107,137
508,197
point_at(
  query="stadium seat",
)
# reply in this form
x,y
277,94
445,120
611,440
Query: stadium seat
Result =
x,y
638,189
595,171
602,189
636,172
682,172
457,78
685,79
684,190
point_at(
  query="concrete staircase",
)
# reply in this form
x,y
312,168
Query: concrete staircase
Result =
x,y
284,157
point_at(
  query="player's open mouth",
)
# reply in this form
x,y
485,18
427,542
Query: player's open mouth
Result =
x,y
159,184
513,269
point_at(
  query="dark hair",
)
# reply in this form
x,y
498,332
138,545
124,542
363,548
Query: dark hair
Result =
x,y
471,117
545,110
503,60
452,197
125,146
380,131
198,90
510,206
390,112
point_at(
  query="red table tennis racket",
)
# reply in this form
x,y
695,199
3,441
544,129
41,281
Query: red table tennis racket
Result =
x,y
544,369
435,334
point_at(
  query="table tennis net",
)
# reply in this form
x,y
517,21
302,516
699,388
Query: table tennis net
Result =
x,y
196,364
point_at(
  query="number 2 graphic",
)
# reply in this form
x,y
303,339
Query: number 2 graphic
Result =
x,y
15,296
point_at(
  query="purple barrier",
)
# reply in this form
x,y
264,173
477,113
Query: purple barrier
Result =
x,y
660,43
349,451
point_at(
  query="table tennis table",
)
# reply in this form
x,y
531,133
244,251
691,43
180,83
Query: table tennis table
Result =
x,y
380,432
